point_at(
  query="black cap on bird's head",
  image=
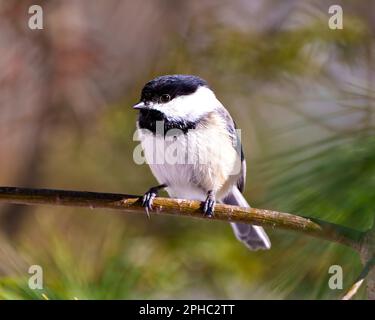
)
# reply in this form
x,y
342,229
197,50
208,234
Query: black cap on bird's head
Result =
x,y
180,101
165,88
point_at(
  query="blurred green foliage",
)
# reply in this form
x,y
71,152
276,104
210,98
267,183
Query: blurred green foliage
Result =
x,y
304,160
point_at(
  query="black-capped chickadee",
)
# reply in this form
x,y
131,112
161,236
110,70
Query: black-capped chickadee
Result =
x,y
192,146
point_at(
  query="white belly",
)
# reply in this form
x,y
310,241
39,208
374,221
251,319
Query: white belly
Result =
x,y
188,165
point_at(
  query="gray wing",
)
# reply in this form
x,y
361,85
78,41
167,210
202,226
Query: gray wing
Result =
x,y
242,179
253,237
236,141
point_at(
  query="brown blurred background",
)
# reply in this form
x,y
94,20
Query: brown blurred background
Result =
x,y
302,94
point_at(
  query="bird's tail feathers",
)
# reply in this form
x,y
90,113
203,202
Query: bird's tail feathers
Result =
x,y
253,237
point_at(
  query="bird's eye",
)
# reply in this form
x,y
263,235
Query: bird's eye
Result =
x,y
165,98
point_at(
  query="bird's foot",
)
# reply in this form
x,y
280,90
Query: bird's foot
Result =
x,y
149,197
209,204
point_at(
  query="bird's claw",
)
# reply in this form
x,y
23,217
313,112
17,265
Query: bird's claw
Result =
x,y
148,200
209,206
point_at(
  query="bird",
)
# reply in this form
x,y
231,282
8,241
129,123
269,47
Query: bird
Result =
x,y
193,148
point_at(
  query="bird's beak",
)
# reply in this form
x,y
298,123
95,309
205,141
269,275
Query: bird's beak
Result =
x,y
140,106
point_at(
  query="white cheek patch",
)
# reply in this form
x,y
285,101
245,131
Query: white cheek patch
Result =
x,y
192,106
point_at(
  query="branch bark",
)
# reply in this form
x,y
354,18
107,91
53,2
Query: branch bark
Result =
x,y
131,203
362,242
355,287
367,254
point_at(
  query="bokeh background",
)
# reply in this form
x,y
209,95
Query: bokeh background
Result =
x,y
302,94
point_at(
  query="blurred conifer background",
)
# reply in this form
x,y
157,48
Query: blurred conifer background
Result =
x,y
302,94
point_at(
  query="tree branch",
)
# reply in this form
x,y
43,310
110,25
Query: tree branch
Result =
x,y
355,287
130,203
367,254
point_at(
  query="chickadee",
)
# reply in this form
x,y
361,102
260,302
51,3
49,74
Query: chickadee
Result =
x,y
211,167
